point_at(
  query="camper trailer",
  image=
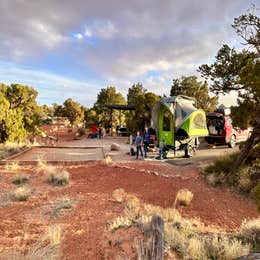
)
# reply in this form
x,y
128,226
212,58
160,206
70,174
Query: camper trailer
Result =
x,y
178,124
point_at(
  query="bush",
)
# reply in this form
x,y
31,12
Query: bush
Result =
x,y
183,197
56,176
244,179
119,195
223,164
120,222
22,193
19,179
250,231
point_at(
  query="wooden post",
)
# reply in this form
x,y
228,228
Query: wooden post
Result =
x,y
157,238
152,247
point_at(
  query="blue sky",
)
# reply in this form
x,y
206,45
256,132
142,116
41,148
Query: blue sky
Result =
x,y
75,48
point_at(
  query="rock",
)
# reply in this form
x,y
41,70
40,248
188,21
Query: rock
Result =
x,y
115,147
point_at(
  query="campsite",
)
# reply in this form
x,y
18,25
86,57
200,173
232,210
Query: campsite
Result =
x,y
129,130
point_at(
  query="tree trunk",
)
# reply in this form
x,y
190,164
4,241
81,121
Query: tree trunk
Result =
x,y
253,139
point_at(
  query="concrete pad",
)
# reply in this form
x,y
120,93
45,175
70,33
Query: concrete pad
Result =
x,y
62,154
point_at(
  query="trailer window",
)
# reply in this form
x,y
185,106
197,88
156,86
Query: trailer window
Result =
x,y
166,121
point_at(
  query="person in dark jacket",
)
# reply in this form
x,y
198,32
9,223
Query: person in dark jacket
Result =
x,y
147,139
138,143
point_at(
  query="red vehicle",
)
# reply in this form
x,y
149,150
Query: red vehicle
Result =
x,y
221,130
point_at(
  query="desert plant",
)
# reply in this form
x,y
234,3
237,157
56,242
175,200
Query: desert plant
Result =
x,y
250,231
107,160
244,179
183,197
120,222
132,204
13,166
119,195
56,207
41,165
56,176
222,164
55,235
222,247
19,179
22,193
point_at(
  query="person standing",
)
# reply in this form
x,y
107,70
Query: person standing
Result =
x,y
138,143
146,141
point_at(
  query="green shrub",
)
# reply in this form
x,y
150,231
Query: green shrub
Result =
x,y
19,179
223,164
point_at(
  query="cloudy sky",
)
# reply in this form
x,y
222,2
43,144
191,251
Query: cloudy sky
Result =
x,y
73,48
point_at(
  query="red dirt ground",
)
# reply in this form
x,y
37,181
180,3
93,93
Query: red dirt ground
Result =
x,y
85,233
91,186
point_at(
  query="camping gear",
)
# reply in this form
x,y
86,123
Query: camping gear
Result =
x,y
178,124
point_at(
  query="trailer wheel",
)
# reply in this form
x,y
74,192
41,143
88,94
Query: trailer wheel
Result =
x,y
232,142
189,151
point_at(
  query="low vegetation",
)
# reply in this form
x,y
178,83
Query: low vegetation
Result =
x,y
22,193
186,237
183,197
56,176
108,160
119,195
245,179
13,166
58,206
19,179
55,235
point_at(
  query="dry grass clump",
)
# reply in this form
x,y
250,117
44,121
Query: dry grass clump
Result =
x,y
132,204
41,165
193,245
37,252
56,207
13,166
119,195
183,197
250,230
56,176
22,193
120,222
222,247
108,160
19,179
55,234
184,235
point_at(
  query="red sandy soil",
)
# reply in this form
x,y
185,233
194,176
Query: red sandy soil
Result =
x,y
85,233
85,226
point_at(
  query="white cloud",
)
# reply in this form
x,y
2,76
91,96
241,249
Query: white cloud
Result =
x,y
78,36
51,87
126,40
88,33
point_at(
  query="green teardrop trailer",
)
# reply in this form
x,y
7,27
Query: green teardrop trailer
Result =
x,y
178,124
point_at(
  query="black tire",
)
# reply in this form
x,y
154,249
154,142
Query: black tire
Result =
x,y
232,142
189,151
